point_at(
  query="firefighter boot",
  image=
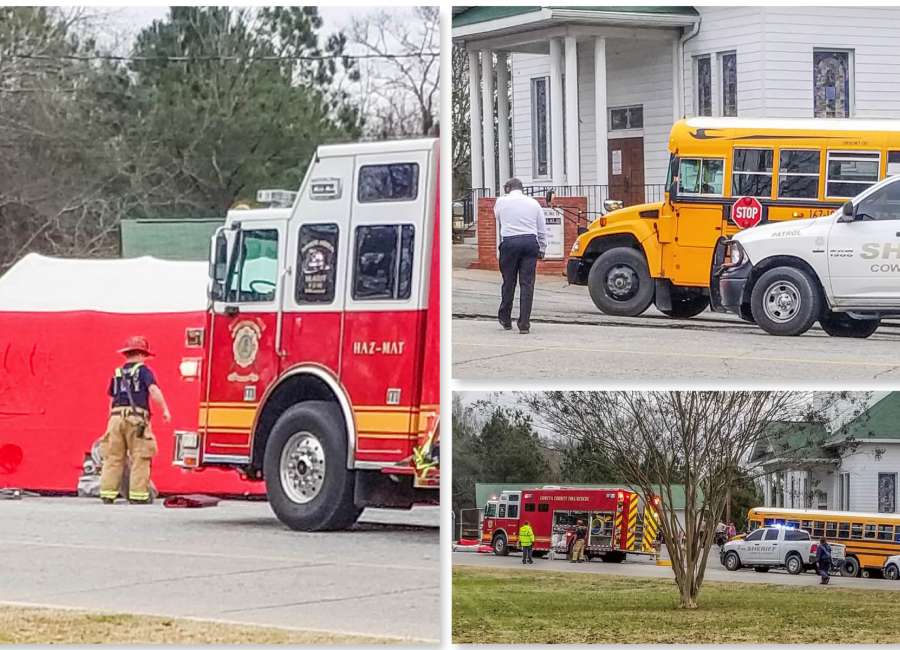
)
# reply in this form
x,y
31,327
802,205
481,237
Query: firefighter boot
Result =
x,y
113,449
142,447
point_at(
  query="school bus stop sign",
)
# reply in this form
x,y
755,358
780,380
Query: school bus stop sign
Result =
x,y
746,212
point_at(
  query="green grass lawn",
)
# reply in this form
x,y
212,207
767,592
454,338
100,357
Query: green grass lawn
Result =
x,y
513,606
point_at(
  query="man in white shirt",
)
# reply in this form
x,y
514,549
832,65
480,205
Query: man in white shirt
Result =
x,y
523,239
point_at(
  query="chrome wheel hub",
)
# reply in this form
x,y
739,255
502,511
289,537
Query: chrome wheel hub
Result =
x,y
781,301
302,467
621,282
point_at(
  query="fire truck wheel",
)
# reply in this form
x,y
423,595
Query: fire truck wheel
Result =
x,y
305,465
616,557
620,283
500,545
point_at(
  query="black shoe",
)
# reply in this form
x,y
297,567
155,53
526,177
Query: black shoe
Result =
x,y
525,331
506,326
530,561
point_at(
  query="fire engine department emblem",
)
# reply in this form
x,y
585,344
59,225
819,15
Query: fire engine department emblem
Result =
x,y
246,343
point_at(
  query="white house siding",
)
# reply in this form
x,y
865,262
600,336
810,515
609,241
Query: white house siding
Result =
x,y
638,72
864,465
872,33
730,29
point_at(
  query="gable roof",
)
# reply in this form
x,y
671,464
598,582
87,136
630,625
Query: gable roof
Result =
x,y
791,442
881,421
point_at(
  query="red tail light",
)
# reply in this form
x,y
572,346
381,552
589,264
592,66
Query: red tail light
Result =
x,y
815,547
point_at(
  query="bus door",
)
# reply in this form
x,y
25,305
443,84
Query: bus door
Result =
x,y
699,220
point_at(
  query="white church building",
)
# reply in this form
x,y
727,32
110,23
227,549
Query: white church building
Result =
x,y
590,93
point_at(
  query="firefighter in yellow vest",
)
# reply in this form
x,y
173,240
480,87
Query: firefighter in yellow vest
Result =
x,y
128,431
526,541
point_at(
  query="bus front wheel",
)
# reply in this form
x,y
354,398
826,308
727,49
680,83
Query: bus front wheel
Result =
x,y
850,568
620,284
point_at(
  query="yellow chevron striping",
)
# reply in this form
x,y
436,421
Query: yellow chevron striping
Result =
x,y
381,422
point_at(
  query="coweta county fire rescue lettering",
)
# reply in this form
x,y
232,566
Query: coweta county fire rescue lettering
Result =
x,y
564,497
374,347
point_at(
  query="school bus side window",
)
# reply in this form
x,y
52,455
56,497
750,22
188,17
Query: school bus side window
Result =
x,y
798,174
752,172
701,176
384,262
316,262
850,172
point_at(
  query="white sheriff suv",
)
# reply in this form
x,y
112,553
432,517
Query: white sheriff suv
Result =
x,y
772,546
892,568
842,270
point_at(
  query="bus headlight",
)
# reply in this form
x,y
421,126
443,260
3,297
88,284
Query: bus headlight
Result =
x,y
576,247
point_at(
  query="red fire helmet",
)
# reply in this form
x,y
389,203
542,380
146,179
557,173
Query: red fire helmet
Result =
x,y
136,344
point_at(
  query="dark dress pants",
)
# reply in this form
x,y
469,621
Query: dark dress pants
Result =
x,y
518,261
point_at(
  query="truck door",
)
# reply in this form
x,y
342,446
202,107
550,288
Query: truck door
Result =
x,y
770,547
243,323
392,222
864,254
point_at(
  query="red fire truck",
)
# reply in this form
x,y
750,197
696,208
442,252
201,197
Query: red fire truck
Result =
x,y
319,362
616,523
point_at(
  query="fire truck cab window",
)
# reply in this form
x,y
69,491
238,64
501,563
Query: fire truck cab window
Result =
x,y
490,510
254,275
502,510
395,182
513,511
317,262
384,262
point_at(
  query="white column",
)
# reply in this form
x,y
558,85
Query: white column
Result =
x,y
573,150
601,112
503,116
556,113
677,112
487,116
475,119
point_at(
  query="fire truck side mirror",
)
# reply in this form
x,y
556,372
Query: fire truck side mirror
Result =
x,y
218,265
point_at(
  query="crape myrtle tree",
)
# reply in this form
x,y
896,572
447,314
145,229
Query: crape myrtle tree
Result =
x,y
690,438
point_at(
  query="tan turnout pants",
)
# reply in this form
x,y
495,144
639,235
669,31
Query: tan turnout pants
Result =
x,y
577,550
121,440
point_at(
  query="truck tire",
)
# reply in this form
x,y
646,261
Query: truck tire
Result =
x,y
732,562
305,464
785,301
794,564
500,545
891,572
843,325
850,568
620,284
687,302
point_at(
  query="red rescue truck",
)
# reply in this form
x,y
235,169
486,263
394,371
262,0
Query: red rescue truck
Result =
x,y
319,361
616,523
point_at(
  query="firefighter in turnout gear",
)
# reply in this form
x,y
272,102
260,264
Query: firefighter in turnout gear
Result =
x,y
128,431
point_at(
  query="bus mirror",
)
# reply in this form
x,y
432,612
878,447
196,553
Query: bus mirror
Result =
x,y
848,213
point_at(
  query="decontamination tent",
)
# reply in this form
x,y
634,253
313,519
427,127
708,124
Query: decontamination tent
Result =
x,y
61,322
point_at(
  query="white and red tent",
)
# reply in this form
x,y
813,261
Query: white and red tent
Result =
x,y
61,322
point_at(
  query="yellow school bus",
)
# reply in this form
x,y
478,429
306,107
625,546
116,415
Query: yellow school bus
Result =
x,y
869,537
787,168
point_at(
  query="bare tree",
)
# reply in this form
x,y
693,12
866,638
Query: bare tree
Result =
x,y
402,94
659,440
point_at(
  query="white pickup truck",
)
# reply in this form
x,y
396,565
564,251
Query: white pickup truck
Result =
x,y
775,546
842,270
892,567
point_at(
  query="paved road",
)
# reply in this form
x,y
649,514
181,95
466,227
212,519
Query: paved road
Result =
x,y
571,340
642,567
234,562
